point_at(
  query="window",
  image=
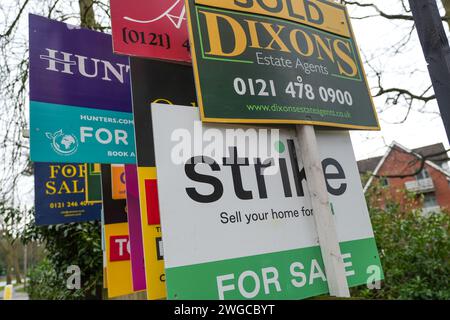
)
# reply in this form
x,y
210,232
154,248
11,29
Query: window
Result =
x,y
430,201
423,174
384,182
445,166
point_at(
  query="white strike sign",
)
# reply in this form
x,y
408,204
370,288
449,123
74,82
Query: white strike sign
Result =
x,y
236,219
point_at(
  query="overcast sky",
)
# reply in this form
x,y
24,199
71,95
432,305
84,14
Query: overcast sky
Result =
x,y
375,36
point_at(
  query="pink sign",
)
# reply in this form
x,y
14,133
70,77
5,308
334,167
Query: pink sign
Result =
x,y
134,228
155,29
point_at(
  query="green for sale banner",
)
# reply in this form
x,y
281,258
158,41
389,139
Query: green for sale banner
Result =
x,y
280,61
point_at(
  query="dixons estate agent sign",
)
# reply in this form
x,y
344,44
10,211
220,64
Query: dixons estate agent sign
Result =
x,y
236,226
278,61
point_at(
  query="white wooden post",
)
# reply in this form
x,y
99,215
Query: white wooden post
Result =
x,y
326,228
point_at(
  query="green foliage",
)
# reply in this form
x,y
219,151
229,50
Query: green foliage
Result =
x,y
69,244
11,218
414,251
47,284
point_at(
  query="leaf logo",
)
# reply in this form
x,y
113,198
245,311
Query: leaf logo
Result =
x,y
63,144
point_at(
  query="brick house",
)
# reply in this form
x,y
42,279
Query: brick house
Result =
x,y
424,171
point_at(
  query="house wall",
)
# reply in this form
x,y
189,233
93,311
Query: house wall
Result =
x,y
400,162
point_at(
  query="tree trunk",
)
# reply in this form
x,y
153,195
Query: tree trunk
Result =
x,y
9,267
8,276
16,266
12,264
87,14
446,4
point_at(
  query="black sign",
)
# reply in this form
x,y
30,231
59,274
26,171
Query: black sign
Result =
x,y
156,82
114,211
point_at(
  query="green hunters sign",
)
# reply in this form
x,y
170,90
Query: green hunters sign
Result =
x,y
278,61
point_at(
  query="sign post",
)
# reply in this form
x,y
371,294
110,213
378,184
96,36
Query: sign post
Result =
x,y
326,228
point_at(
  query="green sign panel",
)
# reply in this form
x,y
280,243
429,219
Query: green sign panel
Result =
x,y
301,274
292,62
93,183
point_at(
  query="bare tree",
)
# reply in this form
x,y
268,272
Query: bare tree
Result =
x,y
15,163
396,95
14,67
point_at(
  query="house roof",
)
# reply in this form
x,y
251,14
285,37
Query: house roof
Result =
x,y
374,164
369,165
433,149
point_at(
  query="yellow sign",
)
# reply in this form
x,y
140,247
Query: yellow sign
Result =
x,y
152,241
105,283
324,15
118,264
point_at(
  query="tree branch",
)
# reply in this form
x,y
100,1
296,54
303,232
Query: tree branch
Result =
x,y
16,20
419,159
386,15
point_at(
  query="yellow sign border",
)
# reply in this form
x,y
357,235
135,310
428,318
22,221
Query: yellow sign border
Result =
x,y
334,23
154,268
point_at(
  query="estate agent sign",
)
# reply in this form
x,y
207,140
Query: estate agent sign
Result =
x,y
278,62
153,29
168,83
135,227
238,226
93,183
59,190
117,241
156,82
80,99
